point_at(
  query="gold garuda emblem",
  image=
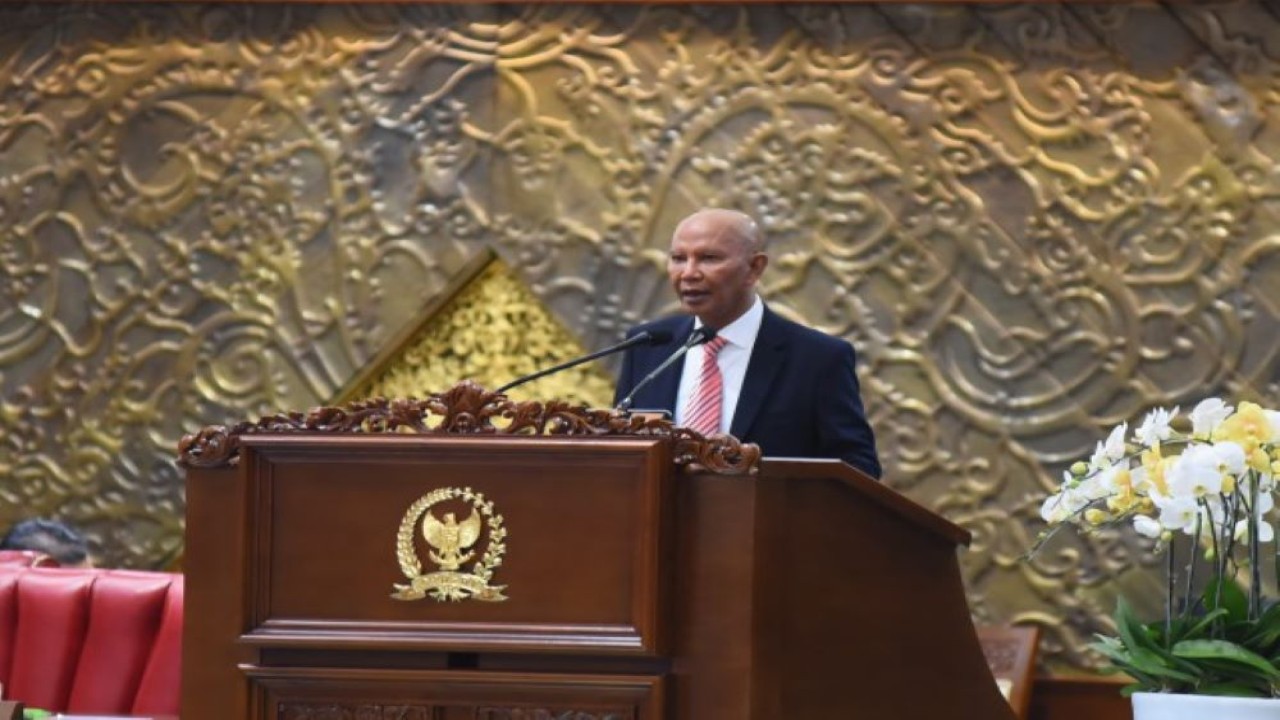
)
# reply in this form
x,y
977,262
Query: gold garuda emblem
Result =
x,y
451,545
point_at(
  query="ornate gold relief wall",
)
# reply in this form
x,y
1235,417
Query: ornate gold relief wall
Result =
x,y
489,329
1033,222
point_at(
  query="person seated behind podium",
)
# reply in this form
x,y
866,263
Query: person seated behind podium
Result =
x,y
788,388
52,538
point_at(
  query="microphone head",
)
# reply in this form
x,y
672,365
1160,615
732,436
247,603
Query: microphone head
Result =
x,y
704,334
658,337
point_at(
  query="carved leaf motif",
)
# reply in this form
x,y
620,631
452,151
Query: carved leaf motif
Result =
x,y
469,409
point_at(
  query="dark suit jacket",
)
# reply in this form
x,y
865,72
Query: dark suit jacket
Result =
x,y
800,397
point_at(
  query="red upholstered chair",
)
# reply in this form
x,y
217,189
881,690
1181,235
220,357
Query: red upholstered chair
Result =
x,y
91,641
159,692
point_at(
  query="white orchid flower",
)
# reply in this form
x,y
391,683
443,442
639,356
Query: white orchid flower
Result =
x,y
1230,457
1266,533
1195,473
1099,460
1147,526
1142,484
1068,480
1155,427
1115,480
1053,510
1212,510
1113,449
1179,513
1265,503
1207,415
1062,506
1097,486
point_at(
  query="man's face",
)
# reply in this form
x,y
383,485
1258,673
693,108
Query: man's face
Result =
x,y
712,270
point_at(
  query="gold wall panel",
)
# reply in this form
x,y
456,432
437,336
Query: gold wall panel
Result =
x,y
490,329
1034,221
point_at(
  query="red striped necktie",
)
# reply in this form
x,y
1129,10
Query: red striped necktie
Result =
x,y
704,412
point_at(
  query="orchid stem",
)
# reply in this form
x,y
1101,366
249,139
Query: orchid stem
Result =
x,y
1191,566
1217,564
1170,572
1255,572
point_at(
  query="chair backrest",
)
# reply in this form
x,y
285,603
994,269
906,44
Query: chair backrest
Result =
x,y
26,558
91,641
1011,655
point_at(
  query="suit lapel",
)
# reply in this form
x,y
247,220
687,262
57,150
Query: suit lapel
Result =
x,y
767,359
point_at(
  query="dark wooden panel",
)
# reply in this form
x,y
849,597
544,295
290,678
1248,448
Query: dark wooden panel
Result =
x,y
1077,698
303,694
860,597
814,592
581,567
714,654
215,604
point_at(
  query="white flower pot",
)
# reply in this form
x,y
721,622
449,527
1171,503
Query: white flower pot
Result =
x,y
1171,706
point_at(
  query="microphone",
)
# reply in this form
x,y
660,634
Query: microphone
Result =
x,y
648,337
699,336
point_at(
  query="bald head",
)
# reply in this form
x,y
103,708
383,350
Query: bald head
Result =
x,y
735,225
716,258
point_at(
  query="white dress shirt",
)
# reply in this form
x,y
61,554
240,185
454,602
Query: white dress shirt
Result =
x,y
741,338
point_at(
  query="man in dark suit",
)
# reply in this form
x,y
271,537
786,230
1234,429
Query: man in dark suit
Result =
x,y
764,379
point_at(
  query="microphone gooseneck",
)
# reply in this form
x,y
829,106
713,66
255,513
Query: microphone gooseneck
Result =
x,y
648,337
698,337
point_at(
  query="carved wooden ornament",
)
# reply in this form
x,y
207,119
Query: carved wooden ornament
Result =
x,y
469,409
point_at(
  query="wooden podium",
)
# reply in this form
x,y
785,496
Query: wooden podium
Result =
x,y
569,566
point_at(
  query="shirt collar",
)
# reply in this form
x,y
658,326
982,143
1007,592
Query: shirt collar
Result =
x,y
743,331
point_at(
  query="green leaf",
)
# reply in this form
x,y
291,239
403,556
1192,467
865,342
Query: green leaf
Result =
x,y
1146,666
1232,690
1109,641
1202,625
1231,598
1113,652
1153,663
1267,630
1133,633
1223,650
1215,671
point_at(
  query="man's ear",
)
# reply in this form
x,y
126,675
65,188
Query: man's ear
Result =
x,y
759,262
